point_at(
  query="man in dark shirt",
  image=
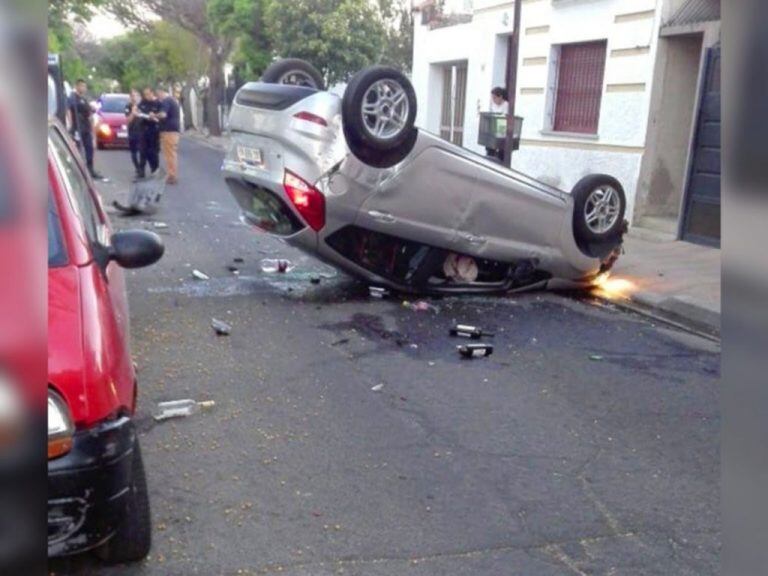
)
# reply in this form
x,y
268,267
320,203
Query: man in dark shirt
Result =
x,y
149,144
82,123
134,128
169,132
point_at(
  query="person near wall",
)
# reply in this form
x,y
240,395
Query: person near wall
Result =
x,y
149,142
82,123
170,127
134,127
499,105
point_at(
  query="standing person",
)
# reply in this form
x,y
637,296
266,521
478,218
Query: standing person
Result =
x,y
135,127
82,123
149,142
499,105
169,133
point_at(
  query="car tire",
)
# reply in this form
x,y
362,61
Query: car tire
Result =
x,y
377,158
293,71
599,208
379,109
133,538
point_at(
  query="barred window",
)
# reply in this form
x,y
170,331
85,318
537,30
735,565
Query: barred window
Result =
x,y
579,87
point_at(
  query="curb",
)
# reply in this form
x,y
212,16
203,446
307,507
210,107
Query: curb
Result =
x,y
678,311
208,141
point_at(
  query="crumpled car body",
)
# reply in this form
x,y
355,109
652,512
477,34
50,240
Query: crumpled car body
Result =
x,y
404,225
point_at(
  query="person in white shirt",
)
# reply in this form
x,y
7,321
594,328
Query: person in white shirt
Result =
x,y
499,105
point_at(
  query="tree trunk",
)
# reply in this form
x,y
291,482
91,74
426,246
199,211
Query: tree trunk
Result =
x,y
215,90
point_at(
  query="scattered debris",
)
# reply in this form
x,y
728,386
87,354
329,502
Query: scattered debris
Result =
x,y
221,328
238,260
180,408
377,388
159,225
234,269
471,332
596,357
314,279
272,265
378,292
475,350
197,275
421,306
340,342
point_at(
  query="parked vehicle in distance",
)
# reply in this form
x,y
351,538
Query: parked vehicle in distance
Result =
x,y
111,127
352,181
97,492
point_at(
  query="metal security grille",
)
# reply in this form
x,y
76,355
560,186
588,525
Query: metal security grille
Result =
x,y
580,87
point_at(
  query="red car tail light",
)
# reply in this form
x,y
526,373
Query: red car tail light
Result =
x,y
309,117
307,199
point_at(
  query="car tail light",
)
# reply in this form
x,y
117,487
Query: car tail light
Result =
x,y
309,117
105,130
307,199
60,426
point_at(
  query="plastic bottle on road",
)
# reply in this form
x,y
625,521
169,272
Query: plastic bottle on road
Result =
x,y
180,408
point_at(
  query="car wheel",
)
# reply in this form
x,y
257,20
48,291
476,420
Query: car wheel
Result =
x,y
379,109
599,207
293,71
377,158
133,538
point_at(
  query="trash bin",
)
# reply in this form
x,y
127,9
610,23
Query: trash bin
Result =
x,y
493,131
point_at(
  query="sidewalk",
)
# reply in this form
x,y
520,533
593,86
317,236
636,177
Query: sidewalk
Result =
x,y
676,280
218,142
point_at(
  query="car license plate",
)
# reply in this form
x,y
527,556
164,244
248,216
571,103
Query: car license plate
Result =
x,y
122,134
250,156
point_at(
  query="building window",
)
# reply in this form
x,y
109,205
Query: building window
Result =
x,y
579,72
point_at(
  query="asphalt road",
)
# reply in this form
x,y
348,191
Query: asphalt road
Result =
x,y
587,444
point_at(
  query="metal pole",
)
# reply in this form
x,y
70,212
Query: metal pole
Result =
x,y
512,85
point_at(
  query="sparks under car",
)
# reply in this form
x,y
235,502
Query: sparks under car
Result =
x,y
97,493
352,181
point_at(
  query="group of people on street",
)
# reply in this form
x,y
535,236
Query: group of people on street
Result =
x,y
153,117
154,125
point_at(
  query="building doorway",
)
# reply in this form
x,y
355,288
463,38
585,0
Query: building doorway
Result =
x,y
453,102
701,219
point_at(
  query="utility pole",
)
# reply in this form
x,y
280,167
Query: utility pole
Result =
x,y
512,61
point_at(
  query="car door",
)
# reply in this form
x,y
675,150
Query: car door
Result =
x,y
425,200
102,281
513,216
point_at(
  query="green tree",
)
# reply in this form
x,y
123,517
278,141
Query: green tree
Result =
x,y
192,16
243,20
398,48
338,36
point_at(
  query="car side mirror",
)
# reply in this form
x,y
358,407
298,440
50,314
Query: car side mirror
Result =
x,y
136,248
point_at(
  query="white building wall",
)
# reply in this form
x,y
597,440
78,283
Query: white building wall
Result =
x,y
631,30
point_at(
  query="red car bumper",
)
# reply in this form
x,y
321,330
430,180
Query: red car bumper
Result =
x,y
111,136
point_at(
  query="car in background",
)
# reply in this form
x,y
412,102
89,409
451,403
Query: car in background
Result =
x,y
111,127
97,490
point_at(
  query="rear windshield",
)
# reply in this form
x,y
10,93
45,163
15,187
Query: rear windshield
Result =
x,y
113,104
57,255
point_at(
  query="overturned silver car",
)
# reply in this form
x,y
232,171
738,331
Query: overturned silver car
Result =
x,y
353,182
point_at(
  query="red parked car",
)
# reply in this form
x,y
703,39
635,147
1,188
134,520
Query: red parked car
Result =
x,y
97,492
111,128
